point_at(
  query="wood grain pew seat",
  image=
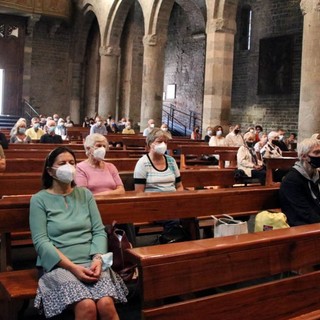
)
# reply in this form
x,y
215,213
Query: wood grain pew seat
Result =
x,y
199,270
129,208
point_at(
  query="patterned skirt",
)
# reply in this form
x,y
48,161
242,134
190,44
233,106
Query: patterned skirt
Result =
x,y
59,289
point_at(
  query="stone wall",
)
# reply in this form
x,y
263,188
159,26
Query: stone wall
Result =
x,y
49,69
269,19
184,67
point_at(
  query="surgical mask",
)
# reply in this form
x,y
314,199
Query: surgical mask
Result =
x,y
99,153
152,125
65,173
36,126
51,129
128,127
250,144
209,132
99,123
164,129
251,130
219,133
160,148
21,130
314,162
280,137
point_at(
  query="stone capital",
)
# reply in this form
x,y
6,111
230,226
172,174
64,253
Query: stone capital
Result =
x,y
153,40
309,6
32,20
221,25
109,51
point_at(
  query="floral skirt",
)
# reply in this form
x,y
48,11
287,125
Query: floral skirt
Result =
x,y
59,289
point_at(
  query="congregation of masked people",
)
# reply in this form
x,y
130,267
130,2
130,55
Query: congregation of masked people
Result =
x,y
68,186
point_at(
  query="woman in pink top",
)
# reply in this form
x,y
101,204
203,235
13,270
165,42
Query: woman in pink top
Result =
x,y
100,177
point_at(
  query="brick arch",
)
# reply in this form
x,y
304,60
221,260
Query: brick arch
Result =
x,y
194,14
118,13
223,9
83,24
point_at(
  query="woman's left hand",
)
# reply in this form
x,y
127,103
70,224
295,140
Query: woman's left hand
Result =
x,y
96,267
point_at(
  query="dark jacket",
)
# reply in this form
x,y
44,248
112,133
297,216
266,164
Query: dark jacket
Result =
x,y
48,138
3,141
300,204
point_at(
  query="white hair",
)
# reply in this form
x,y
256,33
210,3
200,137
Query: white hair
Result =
x,y
91,139
305,146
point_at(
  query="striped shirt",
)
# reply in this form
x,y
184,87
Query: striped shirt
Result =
x,y
157,180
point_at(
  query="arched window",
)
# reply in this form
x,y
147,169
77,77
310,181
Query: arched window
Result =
x,y
245,28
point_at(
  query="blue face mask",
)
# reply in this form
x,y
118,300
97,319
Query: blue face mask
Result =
x,y
21,130
51,129
36,126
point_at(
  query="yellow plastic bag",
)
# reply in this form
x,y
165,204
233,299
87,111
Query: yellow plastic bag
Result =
x,y
270,220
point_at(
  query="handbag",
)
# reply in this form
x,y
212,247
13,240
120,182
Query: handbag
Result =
x,y
270,220
176,233
227,226
118,243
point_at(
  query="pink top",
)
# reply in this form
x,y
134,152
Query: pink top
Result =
x,y
96,179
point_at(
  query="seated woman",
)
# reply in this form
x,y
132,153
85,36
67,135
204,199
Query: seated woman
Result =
x,y
247,159
70,240
2,160
100,177
157,171
19,133
217,139
195,134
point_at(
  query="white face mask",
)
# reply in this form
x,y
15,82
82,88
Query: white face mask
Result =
x,y
99,153
281,137
209,132
219,133
65,173
164,129
160,148
99,123
152,125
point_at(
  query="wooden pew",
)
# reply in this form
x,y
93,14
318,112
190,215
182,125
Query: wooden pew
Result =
x,y
225,153
43,153
140,207
284,163
200,270
36,164
128,208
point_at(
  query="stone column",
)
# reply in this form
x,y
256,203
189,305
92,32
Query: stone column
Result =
x,y
26,86
108,83
152,80
218,74
75,70
309,109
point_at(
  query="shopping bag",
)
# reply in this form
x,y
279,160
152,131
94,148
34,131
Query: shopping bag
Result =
x,y
227,226
270,220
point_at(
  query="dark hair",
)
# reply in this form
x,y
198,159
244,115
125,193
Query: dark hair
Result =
x,y
215,129
46,177
259,127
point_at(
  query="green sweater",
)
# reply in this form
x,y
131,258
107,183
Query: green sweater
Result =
x,y
70,223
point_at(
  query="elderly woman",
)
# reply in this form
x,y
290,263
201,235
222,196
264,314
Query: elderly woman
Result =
x,y
270,149
247,159
300,188
100,177
19,133
156,171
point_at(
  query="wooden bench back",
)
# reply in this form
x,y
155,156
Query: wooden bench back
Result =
x,y
189,267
